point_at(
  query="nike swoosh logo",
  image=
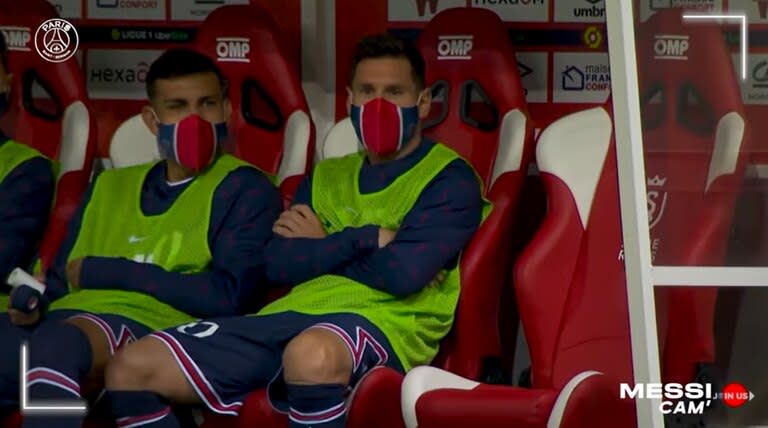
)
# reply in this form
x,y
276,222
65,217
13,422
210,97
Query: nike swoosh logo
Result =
x,y
135,239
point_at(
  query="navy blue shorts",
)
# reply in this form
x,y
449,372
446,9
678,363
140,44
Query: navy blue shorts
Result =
x,y
225,359
118,330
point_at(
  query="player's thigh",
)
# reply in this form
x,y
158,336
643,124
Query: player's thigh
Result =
x,y
149,364
220,360
106,333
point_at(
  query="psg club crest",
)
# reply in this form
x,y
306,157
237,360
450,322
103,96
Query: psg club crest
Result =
x,y
56,40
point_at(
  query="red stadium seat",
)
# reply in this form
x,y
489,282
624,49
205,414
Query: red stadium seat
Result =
x,y
61,127
571,293
696,142
271,122
499,145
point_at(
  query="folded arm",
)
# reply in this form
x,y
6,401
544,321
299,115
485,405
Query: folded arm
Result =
x,y
296,260
430,239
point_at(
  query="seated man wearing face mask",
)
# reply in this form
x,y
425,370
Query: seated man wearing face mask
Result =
x,y
151,246
371,244
27,184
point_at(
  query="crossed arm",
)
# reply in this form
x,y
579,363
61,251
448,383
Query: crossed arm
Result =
x,y
400,262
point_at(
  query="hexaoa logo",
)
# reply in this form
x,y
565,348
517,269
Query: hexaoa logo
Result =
x,y
56,40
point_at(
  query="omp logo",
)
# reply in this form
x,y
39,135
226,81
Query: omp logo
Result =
x,y
233,49
762,6
421,6
454,47
667,46
17,38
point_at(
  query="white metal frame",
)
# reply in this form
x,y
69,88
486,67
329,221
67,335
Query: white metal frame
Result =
x,y
634,213
642,276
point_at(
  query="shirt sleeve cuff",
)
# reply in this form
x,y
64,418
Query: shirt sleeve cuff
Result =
x,y
101,272
365,238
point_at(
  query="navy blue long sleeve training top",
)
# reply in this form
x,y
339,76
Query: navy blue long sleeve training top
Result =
x,y
26,196
433,233
245,207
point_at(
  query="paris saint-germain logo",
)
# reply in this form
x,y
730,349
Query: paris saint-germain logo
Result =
x,y
56,40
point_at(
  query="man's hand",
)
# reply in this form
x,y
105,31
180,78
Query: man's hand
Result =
x,y
438,279
21,319
23,306
299,222
386,236
73,273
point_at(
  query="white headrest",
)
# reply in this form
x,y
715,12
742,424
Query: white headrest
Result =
x,y
509,154
340,141
133,144
295,145
573,149
725,154
75,130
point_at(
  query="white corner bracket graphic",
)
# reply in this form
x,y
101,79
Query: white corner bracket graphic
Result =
x,y
44,408
743,42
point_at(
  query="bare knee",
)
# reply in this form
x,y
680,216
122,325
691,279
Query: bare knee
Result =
x,y
317,356
133,367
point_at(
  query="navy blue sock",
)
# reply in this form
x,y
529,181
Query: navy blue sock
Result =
x,y
317,406
60,357
143,409
12,337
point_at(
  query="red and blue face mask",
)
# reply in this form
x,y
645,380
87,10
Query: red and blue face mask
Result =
x,y
383,127
193,142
